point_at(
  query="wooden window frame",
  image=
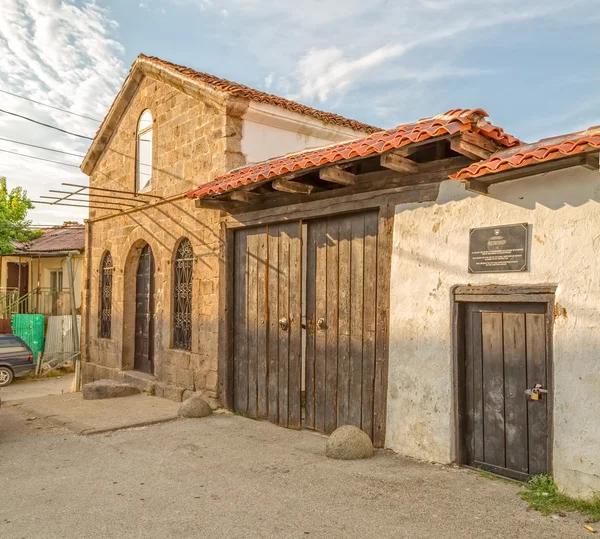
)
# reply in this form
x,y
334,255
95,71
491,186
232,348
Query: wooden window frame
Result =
x,y
503,295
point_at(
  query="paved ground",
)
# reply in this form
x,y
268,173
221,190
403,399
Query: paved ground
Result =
x,y
27,388
231,477
96,416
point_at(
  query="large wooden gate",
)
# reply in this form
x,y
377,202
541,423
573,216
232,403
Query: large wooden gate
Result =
x,y
144,312
320,375
267,323
506,350
341,298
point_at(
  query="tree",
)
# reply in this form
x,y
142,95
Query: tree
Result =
x,y
14,226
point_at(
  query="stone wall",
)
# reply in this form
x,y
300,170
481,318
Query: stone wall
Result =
x,y
195,138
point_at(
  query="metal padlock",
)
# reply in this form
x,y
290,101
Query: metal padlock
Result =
x,y
535,396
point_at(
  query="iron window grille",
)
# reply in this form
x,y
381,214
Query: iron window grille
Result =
x,y
182,295
106,280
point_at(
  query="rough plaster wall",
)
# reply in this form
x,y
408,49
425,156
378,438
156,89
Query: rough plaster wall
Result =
x,y
430,256
194,141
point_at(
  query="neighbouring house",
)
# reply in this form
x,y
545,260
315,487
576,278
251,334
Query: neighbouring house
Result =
x,y
34,279
434,284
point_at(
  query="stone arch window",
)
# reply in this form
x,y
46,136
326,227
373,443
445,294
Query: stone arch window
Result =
x,y
183,272
106,281
143,160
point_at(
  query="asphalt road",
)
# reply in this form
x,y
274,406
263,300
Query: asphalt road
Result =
x,y
231,477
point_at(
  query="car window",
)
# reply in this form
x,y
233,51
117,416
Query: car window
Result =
x,y
8,345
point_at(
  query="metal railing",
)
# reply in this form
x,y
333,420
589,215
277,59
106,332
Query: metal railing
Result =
x,y
44,301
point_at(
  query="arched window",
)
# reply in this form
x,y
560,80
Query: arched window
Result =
x,y
106,275
143,165
183,271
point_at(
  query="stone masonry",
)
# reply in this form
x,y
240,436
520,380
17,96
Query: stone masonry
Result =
x,y
196,137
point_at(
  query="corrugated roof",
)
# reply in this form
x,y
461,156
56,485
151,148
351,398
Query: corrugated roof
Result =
x,y
449,123
532,154
70,238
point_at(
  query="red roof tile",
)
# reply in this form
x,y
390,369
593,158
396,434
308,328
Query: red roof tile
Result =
x,y
453,121
533,154
240,90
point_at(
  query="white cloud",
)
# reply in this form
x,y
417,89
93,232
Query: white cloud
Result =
x,y
269,80
63,54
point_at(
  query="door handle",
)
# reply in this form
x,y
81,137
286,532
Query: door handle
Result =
x,y
321,323
284,324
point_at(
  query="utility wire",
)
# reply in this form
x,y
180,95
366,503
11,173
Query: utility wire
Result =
x,y
46,125
50,106
39,158
42,147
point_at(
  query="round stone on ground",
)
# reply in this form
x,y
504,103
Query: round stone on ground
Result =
x,y
108,389
195,406
349,443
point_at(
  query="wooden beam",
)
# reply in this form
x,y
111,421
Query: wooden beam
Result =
x,y
394,161
336,175
460,145
219,205
476,187
247,197
286,186
479,140
590,161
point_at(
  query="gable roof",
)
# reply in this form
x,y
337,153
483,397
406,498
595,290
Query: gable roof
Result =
x,y
524,155
450,123
245,92
148,64
64,238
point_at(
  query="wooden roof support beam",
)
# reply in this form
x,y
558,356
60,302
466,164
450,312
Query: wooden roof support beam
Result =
x,y
247,197
286,186
476,186
394,161
337,175
590,161
217,204
468,144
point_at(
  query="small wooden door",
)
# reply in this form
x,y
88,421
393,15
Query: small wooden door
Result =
x,y
144,313
341,301
506,351
267,323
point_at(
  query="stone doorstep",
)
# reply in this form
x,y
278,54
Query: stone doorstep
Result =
x,y
148,383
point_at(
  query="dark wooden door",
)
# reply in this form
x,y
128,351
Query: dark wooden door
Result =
x,y
144,312
341,302
267,323
506,351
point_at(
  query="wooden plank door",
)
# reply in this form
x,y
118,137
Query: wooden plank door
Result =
x,y
506,352
144,313
341,300
267,327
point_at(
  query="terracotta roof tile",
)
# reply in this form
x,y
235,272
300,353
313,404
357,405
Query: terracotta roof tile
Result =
x,y
240,90
533,154
453,121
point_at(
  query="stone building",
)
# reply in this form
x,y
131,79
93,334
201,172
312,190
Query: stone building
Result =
x,y
434,284
170,129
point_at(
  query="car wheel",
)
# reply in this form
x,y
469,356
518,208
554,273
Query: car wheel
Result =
x,y
6,376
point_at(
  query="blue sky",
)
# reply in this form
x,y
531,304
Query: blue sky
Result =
x,y
532,64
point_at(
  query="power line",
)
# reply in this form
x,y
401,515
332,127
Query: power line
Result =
x,y
50,106
46,125
42,147
39,158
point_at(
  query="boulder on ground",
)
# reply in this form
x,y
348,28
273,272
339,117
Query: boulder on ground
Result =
x,y
195,406
108,389
349,443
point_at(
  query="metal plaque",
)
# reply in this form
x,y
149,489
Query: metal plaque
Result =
x,y
499,249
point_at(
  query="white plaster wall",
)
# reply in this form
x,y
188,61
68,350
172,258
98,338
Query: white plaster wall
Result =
x,y
269,131
430,256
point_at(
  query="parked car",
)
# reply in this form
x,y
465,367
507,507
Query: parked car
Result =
x,y
16,359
